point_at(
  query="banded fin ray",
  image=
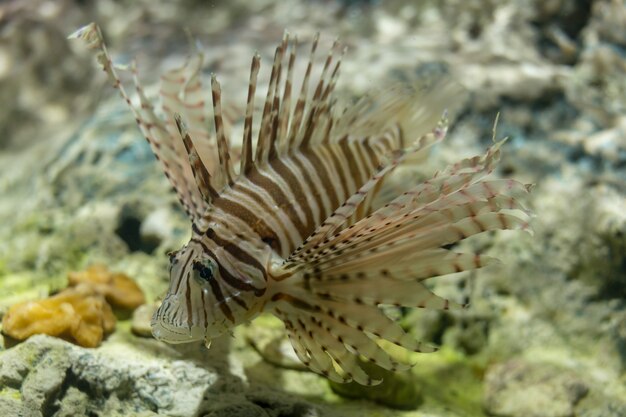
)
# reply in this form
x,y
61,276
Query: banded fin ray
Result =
x,y
359,204
162,136
302,169
383,258
182,93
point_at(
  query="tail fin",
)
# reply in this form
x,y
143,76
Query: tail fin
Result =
x,y
330,304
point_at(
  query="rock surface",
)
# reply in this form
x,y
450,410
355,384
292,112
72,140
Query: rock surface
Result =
x,y
47,376
521,389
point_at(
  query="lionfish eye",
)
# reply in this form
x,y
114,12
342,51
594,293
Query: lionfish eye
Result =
x,y
204,269
172,255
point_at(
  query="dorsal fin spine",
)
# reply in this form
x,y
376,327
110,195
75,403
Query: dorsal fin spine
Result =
x,y
316,101
247,161
276,104
263,140
200,173
326,108
285,111
301,103
222,143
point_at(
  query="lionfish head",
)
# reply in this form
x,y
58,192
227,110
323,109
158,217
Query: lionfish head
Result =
x,y
187,312
209,293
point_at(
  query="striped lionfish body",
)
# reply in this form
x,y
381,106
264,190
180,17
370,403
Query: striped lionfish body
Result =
x,y
297,231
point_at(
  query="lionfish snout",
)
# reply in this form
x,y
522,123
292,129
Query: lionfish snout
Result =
x,y
171,324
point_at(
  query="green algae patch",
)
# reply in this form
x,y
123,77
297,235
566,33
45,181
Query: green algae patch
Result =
x,y
26,286
450,380
268,321
10,393
445,380
123,332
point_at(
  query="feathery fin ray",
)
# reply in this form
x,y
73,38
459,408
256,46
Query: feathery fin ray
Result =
x,y
382,258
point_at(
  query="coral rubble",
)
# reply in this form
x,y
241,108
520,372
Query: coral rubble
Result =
x,y
118,288
79,314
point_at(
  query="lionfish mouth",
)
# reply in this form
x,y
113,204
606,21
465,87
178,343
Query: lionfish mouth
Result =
x,y
164,329
169,333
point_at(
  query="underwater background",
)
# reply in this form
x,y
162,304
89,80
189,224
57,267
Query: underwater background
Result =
x,y
545,335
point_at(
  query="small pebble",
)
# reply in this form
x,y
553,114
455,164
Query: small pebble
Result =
x,y
140,324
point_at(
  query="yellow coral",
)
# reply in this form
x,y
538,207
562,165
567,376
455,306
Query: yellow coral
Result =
x,y
118,288
78,314
81,313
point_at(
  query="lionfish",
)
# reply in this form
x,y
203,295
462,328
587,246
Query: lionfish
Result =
x,y
299,230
